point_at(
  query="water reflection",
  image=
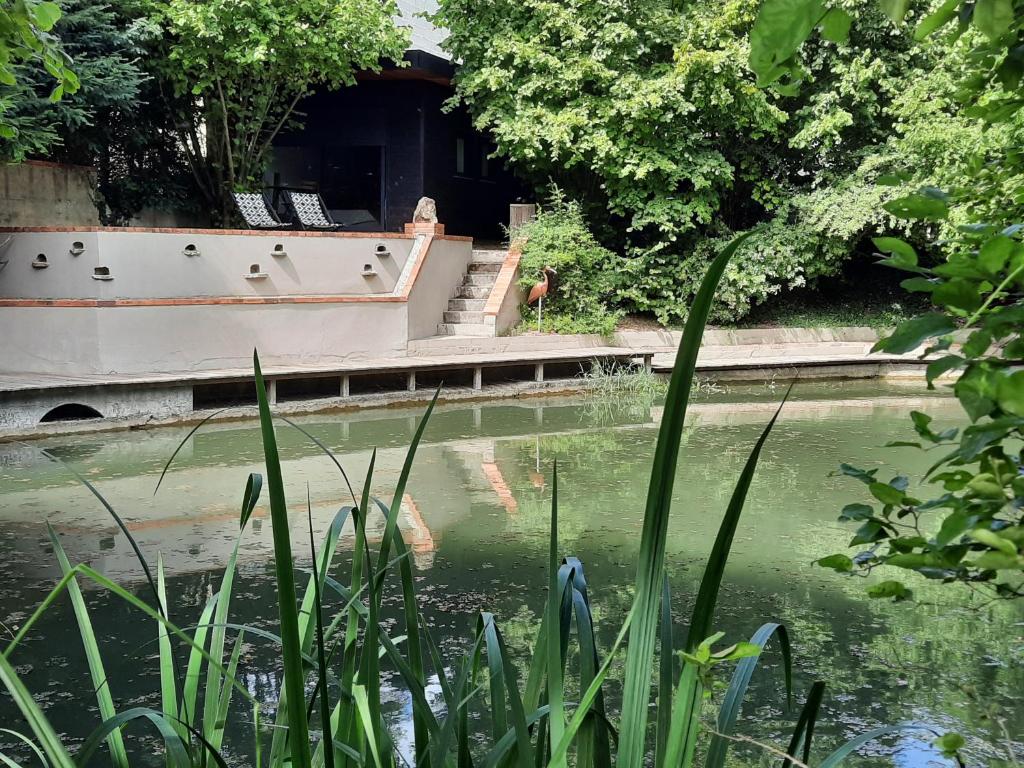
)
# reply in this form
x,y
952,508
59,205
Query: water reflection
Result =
x,y
475,516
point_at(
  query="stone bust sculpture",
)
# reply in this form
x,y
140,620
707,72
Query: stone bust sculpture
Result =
x,y
426,211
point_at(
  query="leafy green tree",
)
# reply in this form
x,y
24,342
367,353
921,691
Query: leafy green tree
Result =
x,y
117,122
105,47
647,114
972,530
25,37
241,69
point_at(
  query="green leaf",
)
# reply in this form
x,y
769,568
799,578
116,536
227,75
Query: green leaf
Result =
x,y
896,247
938,18
868,533
779,30
836,25
977,343
993,17
910,334
976,390
729,711
837,562
1010,393
994,540
895,9
949,743
998,561
917,284
886,589
918,206
957,293
857,512
886,493
46,15
943,365
994,253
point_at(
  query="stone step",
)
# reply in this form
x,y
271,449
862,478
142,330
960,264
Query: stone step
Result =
x,y
479,267
465,329
474,292
480,278
489,257
463,317
467,305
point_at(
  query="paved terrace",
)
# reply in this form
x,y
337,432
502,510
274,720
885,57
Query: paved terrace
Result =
x,y
470,368
754,354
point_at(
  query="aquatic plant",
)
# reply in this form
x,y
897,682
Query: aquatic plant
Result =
x,y
329,713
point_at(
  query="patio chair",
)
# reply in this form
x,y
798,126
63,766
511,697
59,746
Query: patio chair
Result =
x,y
257,213
309,210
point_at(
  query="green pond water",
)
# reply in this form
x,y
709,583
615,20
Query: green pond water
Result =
x,y
476,517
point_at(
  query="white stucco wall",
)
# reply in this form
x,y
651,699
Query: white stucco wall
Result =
x,y
171,314
155,340
438,279
148,265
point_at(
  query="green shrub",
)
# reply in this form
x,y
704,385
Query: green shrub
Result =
x,y
587,273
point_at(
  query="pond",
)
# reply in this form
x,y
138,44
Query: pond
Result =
x,y
476,518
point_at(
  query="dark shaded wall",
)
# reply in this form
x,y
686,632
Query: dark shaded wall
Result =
x,y
419,147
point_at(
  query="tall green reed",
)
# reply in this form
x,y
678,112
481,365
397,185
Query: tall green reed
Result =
x,y
330,712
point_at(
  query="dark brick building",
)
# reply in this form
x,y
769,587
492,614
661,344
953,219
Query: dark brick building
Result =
x,y
372,150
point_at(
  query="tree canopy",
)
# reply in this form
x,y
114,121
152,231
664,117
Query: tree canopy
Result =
x,y
241,69
649,115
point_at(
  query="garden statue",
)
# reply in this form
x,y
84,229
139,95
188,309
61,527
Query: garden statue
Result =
x,y
426,211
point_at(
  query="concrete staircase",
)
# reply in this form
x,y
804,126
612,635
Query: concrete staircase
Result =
x,y
465,313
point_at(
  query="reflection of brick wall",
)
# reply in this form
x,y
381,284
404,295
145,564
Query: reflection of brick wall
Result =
x,y
37,194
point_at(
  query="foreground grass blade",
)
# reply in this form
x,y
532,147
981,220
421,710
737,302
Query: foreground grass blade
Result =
x,y
553,651
685,725
729,710
321,655
298,728
590,695
168,681
853,745
651,560
120,524
328,452
216,688
104,700
182,445
666,672
804,731
167,727
29,743
48,739
711,581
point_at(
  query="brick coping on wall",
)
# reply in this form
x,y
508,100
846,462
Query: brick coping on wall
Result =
x,y
251,232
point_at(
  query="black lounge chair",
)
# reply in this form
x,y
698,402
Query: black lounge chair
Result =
x,y
257,213
309,211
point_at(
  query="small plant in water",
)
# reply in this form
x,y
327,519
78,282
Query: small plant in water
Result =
x,y
329,712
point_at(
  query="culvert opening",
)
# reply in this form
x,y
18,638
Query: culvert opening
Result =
x,y
70,412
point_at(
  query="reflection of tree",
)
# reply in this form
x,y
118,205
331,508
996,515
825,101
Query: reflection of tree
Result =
x,y
956,659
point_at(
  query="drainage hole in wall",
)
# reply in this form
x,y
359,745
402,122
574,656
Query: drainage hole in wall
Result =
x,y
70,412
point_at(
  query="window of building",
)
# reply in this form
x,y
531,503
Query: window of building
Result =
x,y
485,163
460,155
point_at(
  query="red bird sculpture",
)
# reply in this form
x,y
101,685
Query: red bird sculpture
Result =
x,y
540,290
